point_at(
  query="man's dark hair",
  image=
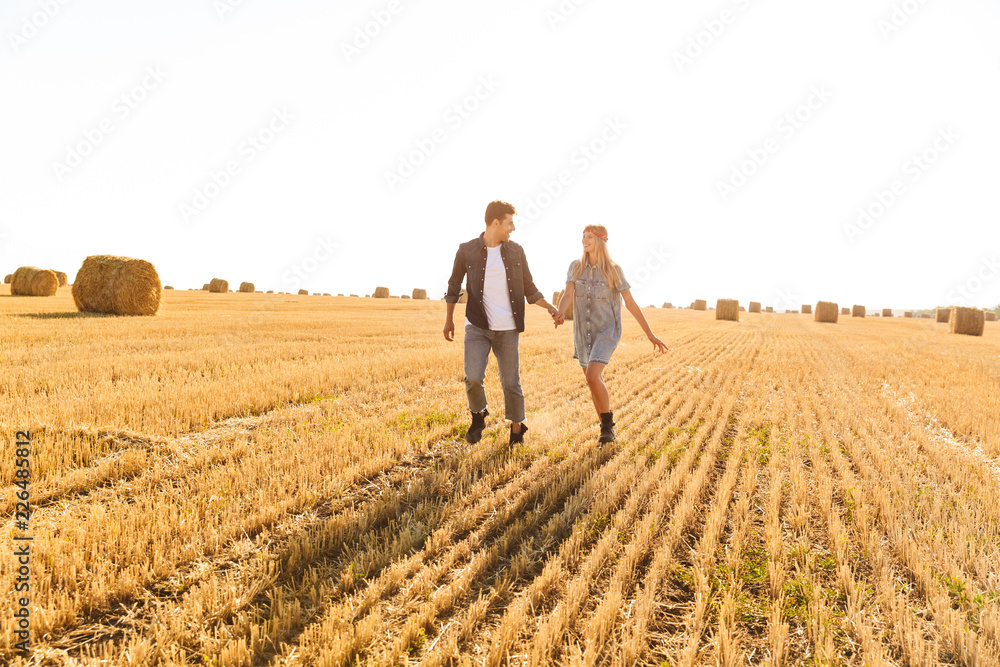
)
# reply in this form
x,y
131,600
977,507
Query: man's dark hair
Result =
x,y
497,210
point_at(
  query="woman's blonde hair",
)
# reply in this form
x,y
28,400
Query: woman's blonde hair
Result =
x,y
604,261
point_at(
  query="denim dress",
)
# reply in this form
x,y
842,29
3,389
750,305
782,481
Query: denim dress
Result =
x,y
597,314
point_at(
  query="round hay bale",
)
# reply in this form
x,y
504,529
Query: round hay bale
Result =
x,y
32,281
857,311
845,311
63,278
326,294
944,314
926,316
754,307
418,294
117,285
967,321
727,309
808,309
668,305
168,287
908,313
381,292
247,288
343,295
270,291
769,309
700,304
206,287
887,312
826,311
218,286
354,296
990,316
303,292
405,296
8,278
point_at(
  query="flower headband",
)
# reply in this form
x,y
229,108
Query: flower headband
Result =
x,y
593,230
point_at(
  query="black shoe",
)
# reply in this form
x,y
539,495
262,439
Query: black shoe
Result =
x,y
517,438
475,431
607,427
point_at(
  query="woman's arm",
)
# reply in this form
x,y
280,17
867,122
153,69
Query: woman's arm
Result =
x,y
567,298
636,311
564,302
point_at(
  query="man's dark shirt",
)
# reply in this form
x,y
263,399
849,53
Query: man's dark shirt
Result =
x,y
471,260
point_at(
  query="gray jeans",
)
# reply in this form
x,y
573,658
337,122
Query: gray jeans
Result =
x,y
478,343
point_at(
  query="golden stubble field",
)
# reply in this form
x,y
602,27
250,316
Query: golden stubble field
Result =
x,y
283,480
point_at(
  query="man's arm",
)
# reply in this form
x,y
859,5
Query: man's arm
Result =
x,y
449,322
531,293
451,297
455,281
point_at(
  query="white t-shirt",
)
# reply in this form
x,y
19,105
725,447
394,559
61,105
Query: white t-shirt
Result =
x,y
496,299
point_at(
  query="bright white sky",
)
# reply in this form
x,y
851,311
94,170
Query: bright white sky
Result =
x,y
84,170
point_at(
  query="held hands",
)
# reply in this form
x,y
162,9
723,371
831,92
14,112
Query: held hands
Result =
x,y
557,317
658,344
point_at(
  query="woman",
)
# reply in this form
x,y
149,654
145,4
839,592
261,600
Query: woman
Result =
x,y
593,286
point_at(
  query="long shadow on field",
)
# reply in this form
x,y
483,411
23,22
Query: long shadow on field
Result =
x,y
491,546
335,526
64,316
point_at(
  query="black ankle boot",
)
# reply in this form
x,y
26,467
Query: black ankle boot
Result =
x,y
517,438
607,427
475,431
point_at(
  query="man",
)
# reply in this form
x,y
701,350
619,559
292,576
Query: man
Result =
x,y
498,284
